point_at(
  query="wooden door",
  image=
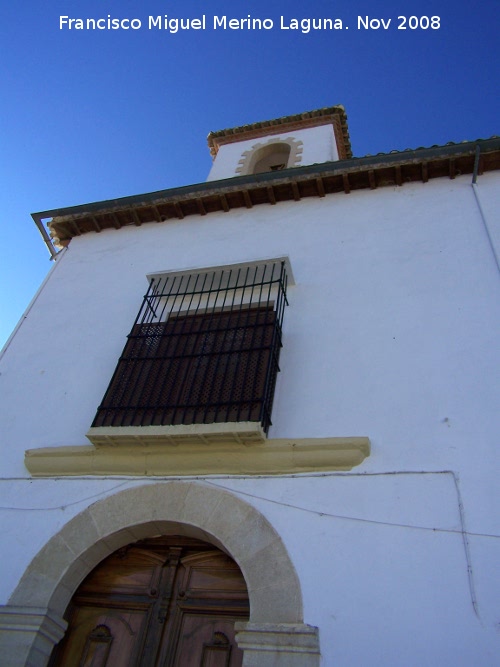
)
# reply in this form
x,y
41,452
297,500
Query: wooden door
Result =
x,y
163,602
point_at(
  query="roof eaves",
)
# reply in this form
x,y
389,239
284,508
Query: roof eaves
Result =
x,y
334,166
250,183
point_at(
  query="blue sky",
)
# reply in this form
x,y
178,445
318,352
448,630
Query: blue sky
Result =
x,y
93,115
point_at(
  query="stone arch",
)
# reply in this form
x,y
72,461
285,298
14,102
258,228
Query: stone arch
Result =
x,y
263,155
193,509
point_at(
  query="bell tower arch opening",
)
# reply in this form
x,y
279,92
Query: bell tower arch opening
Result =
x,y
274,154
272,157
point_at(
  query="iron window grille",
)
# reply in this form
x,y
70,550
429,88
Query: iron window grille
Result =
x,y
204,348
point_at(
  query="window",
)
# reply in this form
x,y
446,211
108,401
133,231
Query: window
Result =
x,y
204,349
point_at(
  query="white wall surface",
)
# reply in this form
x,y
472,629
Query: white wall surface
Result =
x,y
391,333
380,558
318,145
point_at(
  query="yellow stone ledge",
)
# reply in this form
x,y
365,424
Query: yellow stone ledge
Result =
x,y
271,457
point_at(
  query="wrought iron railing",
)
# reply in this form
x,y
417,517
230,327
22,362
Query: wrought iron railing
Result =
x,y
204,348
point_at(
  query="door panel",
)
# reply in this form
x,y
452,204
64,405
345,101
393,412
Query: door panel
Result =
x,y
100,637
206,642
163,602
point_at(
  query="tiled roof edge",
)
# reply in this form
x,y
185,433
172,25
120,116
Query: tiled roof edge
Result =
x,y
306,115
420,154
334,114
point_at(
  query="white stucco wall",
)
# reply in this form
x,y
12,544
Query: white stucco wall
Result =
x,y
390,333
318,145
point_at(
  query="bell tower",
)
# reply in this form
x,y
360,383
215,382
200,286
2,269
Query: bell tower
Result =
x,y
283,143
